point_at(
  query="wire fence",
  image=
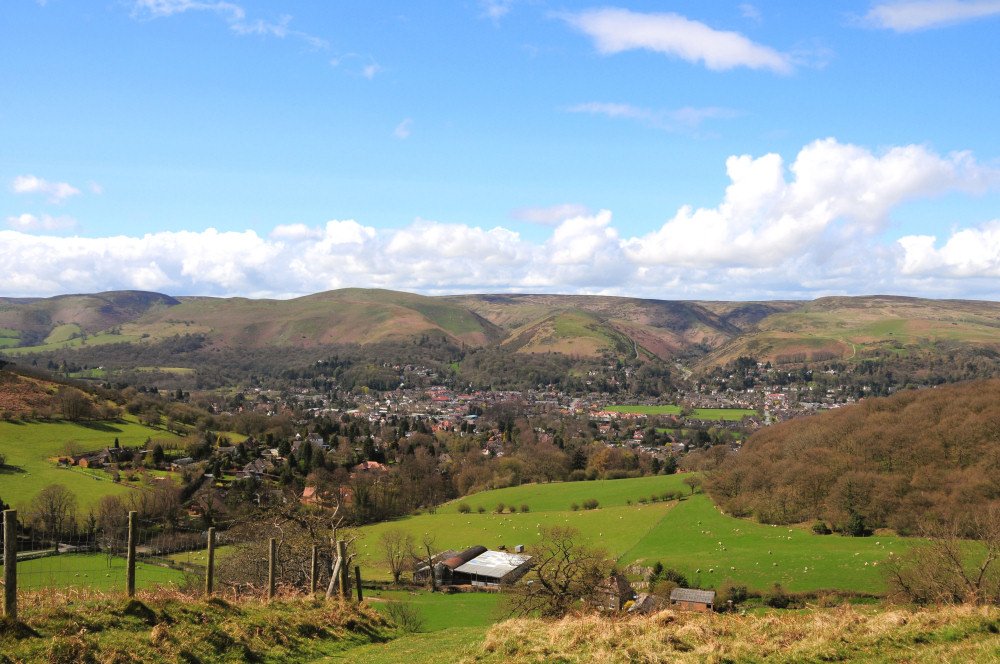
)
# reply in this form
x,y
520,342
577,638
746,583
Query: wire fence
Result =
x,y
61,560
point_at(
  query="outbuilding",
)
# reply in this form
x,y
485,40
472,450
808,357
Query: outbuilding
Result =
x,y
688,599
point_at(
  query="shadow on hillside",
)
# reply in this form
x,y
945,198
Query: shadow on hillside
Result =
x,y
99,426
11,470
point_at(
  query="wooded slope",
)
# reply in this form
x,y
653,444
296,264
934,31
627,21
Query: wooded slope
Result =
x,y
914,455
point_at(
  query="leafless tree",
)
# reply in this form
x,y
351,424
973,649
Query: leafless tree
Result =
x,y
958,562
55,509
396,545
564,572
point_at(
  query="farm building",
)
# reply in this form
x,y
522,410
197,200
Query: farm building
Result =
x,y
476,566
687,599
613,593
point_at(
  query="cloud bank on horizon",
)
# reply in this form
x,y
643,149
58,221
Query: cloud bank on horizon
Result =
x,y
811,229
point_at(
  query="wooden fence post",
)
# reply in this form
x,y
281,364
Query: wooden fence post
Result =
x,y
210,572
130,563
10,564
313,571
357,580
345,571
271,560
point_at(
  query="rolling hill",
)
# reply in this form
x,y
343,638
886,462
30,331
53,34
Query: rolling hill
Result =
x,y
849,327
576,326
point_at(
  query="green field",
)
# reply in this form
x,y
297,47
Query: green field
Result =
x,y
89,570
684,535
30,449
734,414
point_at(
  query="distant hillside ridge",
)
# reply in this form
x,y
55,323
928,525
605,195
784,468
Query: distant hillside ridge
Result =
x,y
35,321
850,327
704,334
932,453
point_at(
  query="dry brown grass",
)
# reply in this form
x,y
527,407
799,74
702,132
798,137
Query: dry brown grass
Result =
x,y
949,634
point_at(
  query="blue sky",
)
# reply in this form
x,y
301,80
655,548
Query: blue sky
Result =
x,y
690,150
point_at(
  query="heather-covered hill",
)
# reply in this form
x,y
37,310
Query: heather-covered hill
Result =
x,y
33,321
892,461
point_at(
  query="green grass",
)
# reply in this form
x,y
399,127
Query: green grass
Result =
x,y
31,447
688,537
92,340
95,571
684,535
735,414
419,648
63,333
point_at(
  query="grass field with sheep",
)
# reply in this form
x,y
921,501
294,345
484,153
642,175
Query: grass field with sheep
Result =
x,y
689,534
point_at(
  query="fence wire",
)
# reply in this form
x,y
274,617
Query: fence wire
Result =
x,y
62,560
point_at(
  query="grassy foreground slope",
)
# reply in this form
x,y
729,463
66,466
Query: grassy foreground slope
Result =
x,y
949,634
175,628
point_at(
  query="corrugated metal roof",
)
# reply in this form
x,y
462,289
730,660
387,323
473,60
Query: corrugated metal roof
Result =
x,y
689,595
493,564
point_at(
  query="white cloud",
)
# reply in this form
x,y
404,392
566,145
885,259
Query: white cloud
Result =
x,y
840,192
57,192
911,15
233,14
809,228
968,253
495,9
616,30
549,216
681,119
402,130
370,70
95,188
29,222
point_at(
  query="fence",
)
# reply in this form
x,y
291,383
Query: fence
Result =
x,y
51,559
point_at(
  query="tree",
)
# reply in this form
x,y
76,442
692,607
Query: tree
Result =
x,y
55,508
427,544
563,573
670,465
74,404
959,562
693,481
396,545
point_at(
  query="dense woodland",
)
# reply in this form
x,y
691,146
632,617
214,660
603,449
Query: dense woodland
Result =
x,y
886,462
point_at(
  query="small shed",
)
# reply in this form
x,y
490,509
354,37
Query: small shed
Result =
x,y
688,599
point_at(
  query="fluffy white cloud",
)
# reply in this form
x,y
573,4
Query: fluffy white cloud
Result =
x,y
968,253
615,30
910,15
549,216
57,192
839,191
809,229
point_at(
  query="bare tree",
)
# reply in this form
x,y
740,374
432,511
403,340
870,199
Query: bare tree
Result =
x,y
564,572
55,508
427,545
958,563
396,545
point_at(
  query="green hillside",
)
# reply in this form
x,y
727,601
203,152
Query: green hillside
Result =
x,y
690,535
31,450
